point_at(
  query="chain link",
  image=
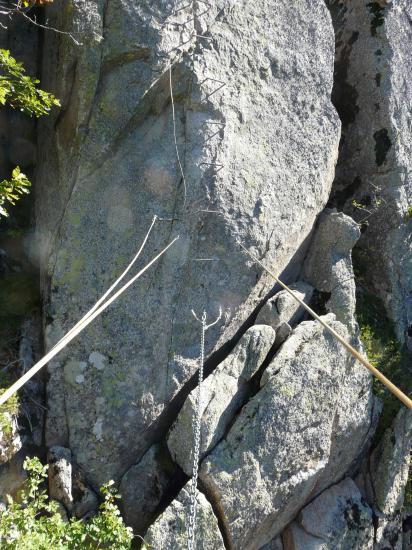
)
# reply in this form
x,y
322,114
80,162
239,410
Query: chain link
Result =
x,y
196,442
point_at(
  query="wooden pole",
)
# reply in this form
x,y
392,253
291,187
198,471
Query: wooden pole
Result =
x,y
391,387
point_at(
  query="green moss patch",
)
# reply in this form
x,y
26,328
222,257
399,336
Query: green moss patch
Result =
x,y
385,353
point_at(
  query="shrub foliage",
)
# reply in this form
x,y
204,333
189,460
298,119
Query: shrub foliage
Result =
x,y
20,91
33,522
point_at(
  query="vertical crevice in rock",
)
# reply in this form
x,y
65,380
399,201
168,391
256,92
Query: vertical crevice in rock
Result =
x,y
20,303
372,184
218,510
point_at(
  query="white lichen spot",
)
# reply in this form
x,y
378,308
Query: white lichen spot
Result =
x,y
97,360
79,378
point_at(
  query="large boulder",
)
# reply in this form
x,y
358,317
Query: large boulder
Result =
x,y
257,138
222,395
282,312
145,486
390,464
328,265
276,454
338,519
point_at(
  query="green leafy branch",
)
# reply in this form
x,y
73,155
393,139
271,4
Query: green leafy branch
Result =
x,y
11,190
19,91
34,522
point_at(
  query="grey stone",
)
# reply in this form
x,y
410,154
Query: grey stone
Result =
x,y
223,393
108,163
85,500
275,544
283,308
337,519
356,416
282,334
170,530
328,265
390,462
407,532
274,455
12,476
142,488
372,94
389,533
10,440
67,484
60,475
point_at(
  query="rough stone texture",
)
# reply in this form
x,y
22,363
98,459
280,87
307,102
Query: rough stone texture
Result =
x,y
389,535
85,499
60,475
283,440
108,163
275,544
328,265
10,440
142,488
407,532
67,484
282,308
12,476
337,519
169,532
223,394
390,462
372,93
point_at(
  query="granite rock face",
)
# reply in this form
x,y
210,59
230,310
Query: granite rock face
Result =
x,y
390,463
339,518
143,487
169,531
217,117
67,485
283,309
274,455
223,394
372,93
60,475
258,89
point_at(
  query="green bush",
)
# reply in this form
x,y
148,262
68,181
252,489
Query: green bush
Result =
x,y
33,522
19,91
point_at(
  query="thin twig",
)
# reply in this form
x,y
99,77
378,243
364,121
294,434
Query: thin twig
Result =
x,y
47,27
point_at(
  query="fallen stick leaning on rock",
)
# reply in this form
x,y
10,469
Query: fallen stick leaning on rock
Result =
x,y
381,377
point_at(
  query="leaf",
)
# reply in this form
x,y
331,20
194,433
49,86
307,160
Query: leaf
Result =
x,y
20,91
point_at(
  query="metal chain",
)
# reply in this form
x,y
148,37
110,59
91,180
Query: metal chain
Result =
x,y
196,442
196,431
